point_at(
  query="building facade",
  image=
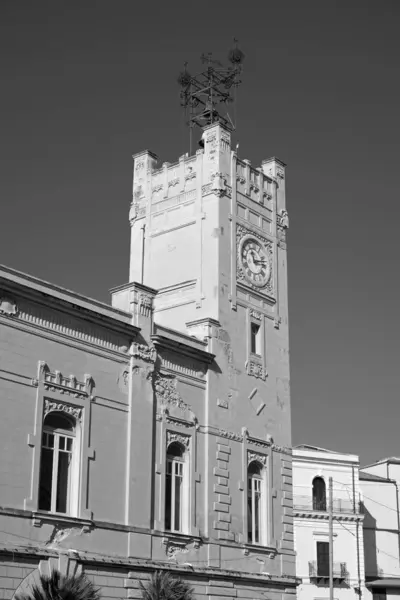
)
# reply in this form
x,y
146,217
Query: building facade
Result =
x,y
155,432
379,485
312,469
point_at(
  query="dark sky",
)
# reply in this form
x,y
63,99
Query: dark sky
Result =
x,y
84,85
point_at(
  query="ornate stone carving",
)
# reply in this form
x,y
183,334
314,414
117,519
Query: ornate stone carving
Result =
x,y
157,188
139,165
206,189
172,437
283,218
50,406
230,435
281,449
267,196
147,353
145,305
173,182
8,306
166,392
190,174
256,457
280,173
218,184
256,369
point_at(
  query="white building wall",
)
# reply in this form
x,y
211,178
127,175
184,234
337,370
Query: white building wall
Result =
x,y
312,526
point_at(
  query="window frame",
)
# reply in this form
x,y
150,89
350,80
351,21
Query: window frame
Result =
x,y
177,462
58,433
260,479
66,395
317,503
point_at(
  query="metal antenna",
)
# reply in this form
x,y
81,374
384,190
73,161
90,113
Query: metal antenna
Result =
x,y
203,95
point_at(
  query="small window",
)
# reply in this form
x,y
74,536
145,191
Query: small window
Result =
x,y
255,503
175,488
255,339
319,494
323,559
56,464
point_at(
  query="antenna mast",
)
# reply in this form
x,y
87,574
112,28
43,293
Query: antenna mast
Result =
x,y
203,95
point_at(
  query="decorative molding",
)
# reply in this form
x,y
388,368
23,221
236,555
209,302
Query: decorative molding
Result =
x,y
50,406
146,353
190,174
173,182
173,436
8,306
256,369
63,324
230,435
280,173
256,314
183,366
281,449
206,189
179,422
260,443
166,392
70,386
256,457
139,165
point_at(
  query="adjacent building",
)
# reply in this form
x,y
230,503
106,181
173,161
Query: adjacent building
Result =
x,y
154,432
379,484
312,469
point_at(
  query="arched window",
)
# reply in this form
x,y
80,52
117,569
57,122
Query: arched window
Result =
x,y
256,503
57,463
319,494
175,488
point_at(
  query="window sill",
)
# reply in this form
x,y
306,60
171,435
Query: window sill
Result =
x,y
39,517
271,551
180,539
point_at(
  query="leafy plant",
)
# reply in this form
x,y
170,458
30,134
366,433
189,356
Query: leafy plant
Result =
x,y
61,587
164,586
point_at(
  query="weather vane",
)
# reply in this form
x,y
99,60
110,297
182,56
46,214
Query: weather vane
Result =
x,y
203,95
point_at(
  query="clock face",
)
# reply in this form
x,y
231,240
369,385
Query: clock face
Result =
x,y
255,261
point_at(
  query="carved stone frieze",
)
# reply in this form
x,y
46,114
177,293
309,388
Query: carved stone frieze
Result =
x,y
256,457
167,394
230,435
190,174
139,165
173,437
50,406
206,189
173,182
256,369
157,188
8,306
146,353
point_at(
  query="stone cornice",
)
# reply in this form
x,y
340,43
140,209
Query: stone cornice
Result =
x,y
169,339
31,304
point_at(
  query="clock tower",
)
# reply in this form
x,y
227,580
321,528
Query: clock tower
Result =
x,y
209,234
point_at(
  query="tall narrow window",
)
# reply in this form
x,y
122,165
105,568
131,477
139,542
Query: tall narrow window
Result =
x,y
255,503
323,559
56,465
255,338
319,494
175,488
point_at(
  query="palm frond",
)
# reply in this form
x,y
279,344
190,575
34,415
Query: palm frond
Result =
x,y
61,587
164,586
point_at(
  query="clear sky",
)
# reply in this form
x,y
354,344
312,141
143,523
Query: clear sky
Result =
x,y
84,85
